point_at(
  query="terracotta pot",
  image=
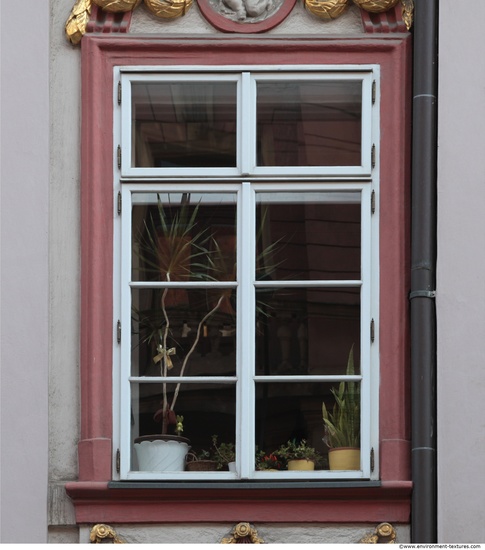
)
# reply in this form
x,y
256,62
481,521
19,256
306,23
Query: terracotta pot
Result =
x,y
161,453
301,464
344,458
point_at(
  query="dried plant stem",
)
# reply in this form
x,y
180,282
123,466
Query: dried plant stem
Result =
x,y
194,345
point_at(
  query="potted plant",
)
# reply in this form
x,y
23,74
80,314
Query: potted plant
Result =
x,y
171,250
342,423
224,454
298,456
269,462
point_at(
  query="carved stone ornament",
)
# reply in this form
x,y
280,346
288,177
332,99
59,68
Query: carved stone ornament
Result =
x,y
384,533
243,533
326,9
104,534
168,9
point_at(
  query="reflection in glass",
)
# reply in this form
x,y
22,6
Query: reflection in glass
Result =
x,y
184,124
306,330
309,236
309,123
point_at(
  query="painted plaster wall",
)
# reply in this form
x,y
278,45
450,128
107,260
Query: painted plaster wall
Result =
x,y
461,263
24,269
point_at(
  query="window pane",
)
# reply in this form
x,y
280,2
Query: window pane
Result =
x,y
293,412
309,123
207,409
184,124
184,237
309,236
175,323
306,330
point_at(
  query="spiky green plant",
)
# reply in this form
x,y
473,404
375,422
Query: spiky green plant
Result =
x,y
342,423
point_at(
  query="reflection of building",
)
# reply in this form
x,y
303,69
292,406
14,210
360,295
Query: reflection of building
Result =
x,y
338,202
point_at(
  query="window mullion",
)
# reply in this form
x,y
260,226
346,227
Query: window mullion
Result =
x,y
246,353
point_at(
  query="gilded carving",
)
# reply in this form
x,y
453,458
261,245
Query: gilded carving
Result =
x,y
326,9
384,533
168,9
104,534
117,6
407,13
78,20
243,533
376,6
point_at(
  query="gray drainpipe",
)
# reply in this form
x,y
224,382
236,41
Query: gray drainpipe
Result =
x,y
423,273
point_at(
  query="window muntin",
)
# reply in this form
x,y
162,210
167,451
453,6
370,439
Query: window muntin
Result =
x,y
347,286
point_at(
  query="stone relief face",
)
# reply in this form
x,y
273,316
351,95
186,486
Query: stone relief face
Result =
x,y
246,11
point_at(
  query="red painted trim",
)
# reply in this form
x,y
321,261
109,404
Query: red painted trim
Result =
x,y
107,22
227,25
100,54
97,503
384,22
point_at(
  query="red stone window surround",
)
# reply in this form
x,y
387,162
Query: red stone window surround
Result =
x,y
96,498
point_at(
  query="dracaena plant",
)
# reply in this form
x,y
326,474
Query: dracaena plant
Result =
x,y
342,422
173,249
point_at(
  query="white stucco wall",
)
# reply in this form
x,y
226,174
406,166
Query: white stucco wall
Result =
x,y
461,263
24,31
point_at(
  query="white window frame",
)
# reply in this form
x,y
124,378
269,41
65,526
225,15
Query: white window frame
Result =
x,y
247,179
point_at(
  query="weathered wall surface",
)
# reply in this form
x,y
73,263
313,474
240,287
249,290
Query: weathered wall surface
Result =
x,y
461,263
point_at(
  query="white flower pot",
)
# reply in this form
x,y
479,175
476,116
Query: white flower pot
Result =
x,y
161,453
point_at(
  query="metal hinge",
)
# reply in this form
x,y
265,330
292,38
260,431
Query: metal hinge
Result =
x,y
119,203
119,156
373,155
373,202
118,331
118,459
374,89
372,460
372,330
119,92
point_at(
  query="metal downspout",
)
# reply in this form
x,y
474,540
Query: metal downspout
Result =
x,y
423,273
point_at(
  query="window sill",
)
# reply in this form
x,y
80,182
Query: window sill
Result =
x,y
180,502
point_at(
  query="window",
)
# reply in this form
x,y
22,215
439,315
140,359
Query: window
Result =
x,y
248,246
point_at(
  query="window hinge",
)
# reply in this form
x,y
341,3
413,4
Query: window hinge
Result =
x,y
372,155
119,92
119,156
118,459
373,202
372,461
372,330
118,332
373,92
119,203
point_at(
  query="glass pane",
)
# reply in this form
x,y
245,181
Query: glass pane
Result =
x,y
184,237
207,410
189,332
308,236
309,123
293,413
306,330
184,124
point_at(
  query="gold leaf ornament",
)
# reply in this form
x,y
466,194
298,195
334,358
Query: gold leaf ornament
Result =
x,y
78,19
168,9
376,6
326,9
117,6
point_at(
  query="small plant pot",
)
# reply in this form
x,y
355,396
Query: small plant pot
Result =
x,y
201,466
301,464
231,466
344,458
